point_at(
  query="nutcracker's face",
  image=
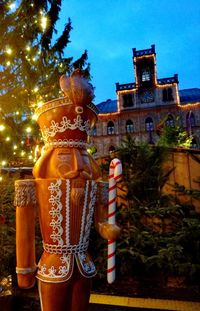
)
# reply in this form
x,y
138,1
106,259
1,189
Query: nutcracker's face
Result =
x,y
72,163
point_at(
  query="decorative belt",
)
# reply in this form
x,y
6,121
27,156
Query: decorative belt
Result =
x,y
65,249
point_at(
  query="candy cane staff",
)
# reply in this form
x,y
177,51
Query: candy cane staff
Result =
x,y
115,175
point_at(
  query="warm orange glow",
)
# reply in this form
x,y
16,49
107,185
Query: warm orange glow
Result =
x,y
166,85
109,114
190,106
130,91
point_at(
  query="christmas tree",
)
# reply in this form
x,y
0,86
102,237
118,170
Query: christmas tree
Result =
x,y
32,58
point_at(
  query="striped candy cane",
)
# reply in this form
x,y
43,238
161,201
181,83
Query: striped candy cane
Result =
x,y
115,174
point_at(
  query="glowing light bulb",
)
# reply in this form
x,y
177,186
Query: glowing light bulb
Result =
x,y
8,63
30,157
3,163
1,178
28,48
15,147
9,51
39,104
2,127
35,90
28,129
44,23
23,153
34,117
7,138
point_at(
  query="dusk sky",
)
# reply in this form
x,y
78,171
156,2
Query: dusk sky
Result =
x,y
109,29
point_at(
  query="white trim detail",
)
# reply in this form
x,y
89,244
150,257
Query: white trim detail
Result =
x,y
65,124
72,143
55,212
65,249
91,211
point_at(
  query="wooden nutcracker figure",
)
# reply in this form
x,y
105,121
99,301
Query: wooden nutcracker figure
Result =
x,y
64,191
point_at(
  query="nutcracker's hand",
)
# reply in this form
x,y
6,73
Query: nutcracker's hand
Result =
x,y
108,231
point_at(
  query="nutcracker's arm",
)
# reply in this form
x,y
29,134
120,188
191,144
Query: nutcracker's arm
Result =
x,y
25,202
107,231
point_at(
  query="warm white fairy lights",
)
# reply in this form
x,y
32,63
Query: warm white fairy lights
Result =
x,y
28,129
9,51
2,127
3,163
44,22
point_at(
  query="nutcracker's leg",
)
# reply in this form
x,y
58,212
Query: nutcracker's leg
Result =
x,y
55,296
81,292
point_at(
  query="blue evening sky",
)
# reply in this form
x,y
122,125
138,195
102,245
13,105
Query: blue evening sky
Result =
x,y
109,29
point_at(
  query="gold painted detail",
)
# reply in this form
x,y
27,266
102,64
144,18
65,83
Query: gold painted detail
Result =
x,y
55,103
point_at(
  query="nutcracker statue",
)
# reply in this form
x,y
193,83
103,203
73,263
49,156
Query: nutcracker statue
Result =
x,y
64,191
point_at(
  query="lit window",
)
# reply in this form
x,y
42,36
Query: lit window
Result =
x,y
111,149
170,121
129,126
93,131
149,124
110,128
145,75
194,143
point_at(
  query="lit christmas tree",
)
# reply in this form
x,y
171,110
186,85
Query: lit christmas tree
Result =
x,y
31,62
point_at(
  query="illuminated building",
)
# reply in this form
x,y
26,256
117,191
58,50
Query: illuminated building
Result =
x,y
141,106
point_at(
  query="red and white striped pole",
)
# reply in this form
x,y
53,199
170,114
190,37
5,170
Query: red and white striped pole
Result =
x,y
115,175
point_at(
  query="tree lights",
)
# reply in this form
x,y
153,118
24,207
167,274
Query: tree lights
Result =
x,y
31,63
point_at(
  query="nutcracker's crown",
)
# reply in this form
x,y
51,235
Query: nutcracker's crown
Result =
x,y
67,121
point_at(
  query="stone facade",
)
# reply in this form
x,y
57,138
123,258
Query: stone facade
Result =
x,y
142,105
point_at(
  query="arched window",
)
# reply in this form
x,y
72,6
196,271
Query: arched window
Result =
x,y
111,149
190,120
110,128
93,131
149,124
170,121
129,126
193,143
